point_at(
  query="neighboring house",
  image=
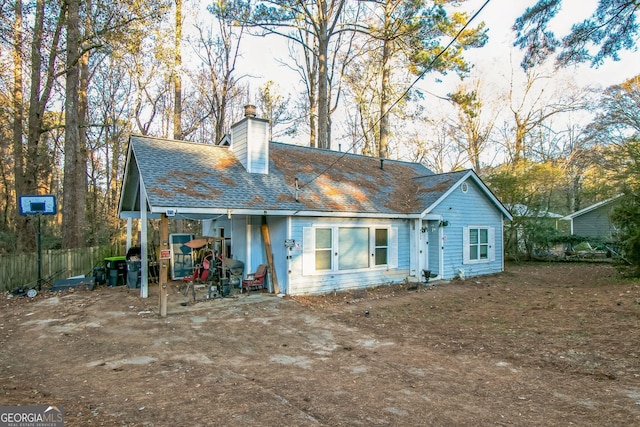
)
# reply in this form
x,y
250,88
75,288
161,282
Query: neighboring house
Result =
x,y
594,221
336,220
526,222
524,211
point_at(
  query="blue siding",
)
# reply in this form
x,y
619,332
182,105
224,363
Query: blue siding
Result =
x,y
461,210
337,281
238,230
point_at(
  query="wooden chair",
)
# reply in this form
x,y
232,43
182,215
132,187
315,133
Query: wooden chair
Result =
x,y
255,280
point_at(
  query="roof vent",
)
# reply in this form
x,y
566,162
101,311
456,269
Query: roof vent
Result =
x,y
249,110
382,164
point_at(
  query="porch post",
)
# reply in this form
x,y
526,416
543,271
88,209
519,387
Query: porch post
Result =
x,y
164,264
144,264
129,227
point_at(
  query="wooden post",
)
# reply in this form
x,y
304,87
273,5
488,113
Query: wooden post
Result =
x,y
267,249
164,265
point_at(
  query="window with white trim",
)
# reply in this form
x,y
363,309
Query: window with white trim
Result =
x,y
381,246
324,249
478,244
344,249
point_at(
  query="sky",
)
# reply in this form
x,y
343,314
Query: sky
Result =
x,y
493,64
500,16
493,61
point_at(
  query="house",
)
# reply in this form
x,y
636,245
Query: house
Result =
x,y
524,211
336,220
594,221
529,223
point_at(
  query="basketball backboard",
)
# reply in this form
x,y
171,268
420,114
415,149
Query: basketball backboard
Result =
x,y
41,204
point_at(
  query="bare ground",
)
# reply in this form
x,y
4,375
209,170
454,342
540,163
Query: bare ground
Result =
x,y
541,344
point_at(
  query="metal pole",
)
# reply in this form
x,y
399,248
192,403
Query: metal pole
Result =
x,y
39,256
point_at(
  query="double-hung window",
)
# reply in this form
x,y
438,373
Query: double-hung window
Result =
x,y
478,242
381,246
324,249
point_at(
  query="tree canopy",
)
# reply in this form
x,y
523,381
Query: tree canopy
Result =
x,y
611,28
380,78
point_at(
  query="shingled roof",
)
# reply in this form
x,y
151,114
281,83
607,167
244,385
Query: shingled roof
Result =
x,y
205,178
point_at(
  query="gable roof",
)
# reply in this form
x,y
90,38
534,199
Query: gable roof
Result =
x,y
592,207
455,180
208,179
521,210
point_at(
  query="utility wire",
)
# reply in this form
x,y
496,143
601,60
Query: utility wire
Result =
x,y
404,94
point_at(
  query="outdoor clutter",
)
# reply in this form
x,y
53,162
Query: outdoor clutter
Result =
x,y
212,274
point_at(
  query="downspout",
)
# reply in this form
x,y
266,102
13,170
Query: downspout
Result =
x,y
502,239
441,249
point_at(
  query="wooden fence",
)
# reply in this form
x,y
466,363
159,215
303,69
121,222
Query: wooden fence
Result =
x,y
22,270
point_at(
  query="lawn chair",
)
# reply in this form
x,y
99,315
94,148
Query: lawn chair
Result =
x,y
255,280
200,275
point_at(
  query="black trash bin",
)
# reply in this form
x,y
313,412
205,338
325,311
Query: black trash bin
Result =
x,y
116,270
100,275
133,274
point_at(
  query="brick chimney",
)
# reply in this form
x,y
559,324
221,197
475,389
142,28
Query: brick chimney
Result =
x,y
250,141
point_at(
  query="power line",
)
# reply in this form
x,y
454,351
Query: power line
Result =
x,y
404,94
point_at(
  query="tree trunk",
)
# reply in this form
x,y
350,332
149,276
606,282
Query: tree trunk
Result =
x,y
74,170
24,240
177,78
383,145
312,76
323,91
27,178
81,179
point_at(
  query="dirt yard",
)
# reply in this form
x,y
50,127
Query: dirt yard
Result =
x,y
541,344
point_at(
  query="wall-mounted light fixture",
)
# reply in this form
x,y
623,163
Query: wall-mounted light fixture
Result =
x,y
444,223
424,229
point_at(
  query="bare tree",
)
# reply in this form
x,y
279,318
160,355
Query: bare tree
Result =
x,y
43,72
312,25
218,83
410,37
434,147
472,129
532,104
274,106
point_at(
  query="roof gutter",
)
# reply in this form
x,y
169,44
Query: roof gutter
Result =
x,y
280,212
